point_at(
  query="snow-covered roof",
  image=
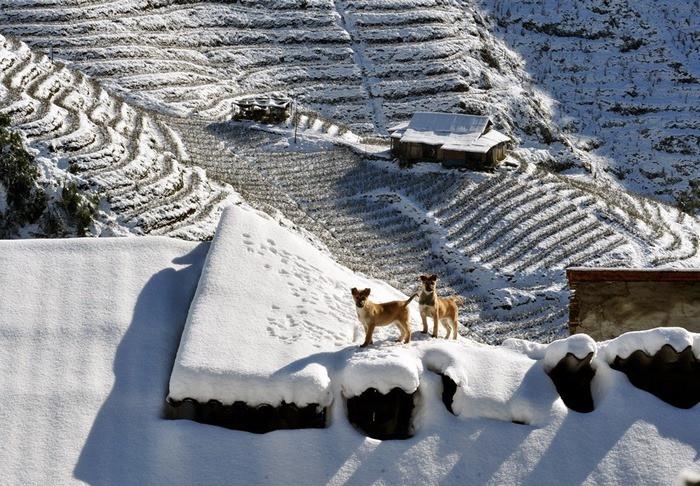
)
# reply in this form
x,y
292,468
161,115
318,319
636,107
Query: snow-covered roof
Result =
x,y
449,131
266,100
267,299
399,127
482,144
89,328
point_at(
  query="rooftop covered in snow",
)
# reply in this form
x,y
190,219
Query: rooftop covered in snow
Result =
x,y
91,328
272,100
449,131
267,300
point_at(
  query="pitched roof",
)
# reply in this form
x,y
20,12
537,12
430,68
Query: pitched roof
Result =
x,y
448,123
481,145
450,131
264,100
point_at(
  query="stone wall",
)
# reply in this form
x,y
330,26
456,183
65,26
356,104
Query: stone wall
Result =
x,y
606,309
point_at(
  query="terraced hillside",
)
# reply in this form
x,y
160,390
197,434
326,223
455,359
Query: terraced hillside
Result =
x,y
365,64
612,89
501,240
120,152
626,74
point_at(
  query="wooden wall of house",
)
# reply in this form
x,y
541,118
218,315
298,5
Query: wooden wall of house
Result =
x,y
395,147
415,151
262,114
449,158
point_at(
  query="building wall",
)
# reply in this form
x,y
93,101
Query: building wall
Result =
x,y
263,114
452,155
449,158
605,310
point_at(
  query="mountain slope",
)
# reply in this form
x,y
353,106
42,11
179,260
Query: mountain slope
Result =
x,y
122,153
364,64
609,89
501,240
624,74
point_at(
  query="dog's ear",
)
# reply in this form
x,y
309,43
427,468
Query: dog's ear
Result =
x,y
354,291
367,291
433,277
422,278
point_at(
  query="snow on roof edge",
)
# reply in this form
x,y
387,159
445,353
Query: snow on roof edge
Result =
x,y
649,341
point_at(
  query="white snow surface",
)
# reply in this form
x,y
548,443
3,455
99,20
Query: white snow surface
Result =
x,y
89,329
382,367
267,300
528,348
650,341
580,345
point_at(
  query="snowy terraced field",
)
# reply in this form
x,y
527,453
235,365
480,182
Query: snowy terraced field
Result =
x,y
625,75
119,151
501,240
364,64
612,89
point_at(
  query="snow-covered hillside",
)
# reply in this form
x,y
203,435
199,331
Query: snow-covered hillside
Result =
x,y
81,132
611,89
625,75
93,327
501,240
362,63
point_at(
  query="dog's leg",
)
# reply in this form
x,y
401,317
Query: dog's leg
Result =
x,y
406,324
368,337
399,326
455,325
446,323
424,318
436,321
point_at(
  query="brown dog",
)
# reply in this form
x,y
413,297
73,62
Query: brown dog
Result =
x,y
372,315
441,310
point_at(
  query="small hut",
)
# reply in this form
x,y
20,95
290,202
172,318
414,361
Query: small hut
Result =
x,y
454,140
272,108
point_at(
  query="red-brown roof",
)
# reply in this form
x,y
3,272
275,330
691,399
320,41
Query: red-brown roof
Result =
x,y
590,274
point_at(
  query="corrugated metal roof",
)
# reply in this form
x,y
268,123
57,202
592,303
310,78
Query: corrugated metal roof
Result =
x,y
448,123
464,133
481,144
271,100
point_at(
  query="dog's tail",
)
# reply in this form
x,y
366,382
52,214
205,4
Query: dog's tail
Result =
x,y
410,299
458,299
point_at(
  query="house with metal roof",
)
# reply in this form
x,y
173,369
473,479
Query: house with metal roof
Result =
x,y
454,140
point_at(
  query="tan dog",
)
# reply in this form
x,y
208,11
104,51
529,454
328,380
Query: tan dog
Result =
x,y
372,315
441,310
